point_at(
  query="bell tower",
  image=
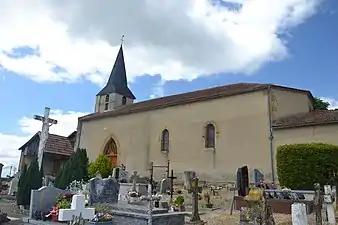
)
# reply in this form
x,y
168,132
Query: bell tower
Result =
x,y
116,93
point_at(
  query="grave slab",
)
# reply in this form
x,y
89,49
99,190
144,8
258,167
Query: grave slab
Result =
x,y
77,208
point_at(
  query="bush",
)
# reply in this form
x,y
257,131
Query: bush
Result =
x,y
299,166
102,165
75,168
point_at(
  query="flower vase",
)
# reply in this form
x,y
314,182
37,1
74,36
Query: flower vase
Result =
x,y
55,217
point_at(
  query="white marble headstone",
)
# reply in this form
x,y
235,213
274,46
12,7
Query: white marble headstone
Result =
x,y
77,208
299,216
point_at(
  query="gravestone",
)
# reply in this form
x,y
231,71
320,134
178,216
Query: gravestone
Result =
x,y
116,173
257,176
77,208
299,216
165,185
242,181
43,199
103,190
13,187
124,176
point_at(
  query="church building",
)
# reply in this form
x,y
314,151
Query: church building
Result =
x,y
212,131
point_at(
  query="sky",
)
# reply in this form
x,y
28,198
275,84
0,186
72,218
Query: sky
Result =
x,y
59,53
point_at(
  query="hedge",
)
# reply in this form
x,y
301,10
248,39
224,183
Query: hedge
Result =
x,y
299,166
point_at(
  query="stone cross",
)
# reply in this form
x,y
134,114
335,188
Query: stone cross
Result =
x,y
134,177
77,209
191,184
318,201
46,123
150,198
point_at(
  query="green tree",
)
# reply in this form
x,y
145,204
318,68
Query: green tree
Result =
x,y
75,168
320,104
22,186
102,165
30,179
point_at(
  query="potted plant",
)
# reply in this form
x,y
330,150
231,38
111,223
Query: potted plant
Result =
x,y
179,201
102,219
208,204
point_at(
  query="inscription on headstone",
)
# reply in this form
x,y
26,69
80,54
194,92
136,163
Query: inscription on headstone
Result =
x,y
103,190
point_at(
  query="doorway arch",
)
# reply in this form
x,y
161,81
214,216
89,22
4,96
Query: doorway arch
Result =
x,y
110,150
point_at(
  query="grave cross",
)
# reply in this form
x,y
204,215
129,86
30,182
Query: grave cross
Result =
x,y
172,178
134,178
46,123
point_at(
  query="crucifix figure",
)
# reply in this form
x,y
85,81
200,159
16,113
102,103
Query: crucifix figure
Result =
x,y
46,123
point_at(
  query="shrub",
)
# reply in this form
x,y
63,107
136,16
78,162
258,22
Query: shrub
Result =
x,y
75,168
102,165
299,166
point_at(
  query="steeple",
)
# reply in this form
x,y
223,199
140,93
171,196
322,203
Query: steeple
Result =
x,y
116,92
117,82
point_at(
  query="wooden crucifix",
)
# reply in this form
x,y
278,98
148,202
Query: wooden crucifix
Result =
x,y
46,123
172,178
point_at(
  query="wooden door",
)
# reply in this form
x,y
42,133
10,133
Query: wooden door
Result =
x,y
110,151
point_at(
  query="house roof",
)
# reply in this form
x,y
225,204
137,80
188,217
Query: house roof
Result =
x,y
189,97
117,82
316,117
56,144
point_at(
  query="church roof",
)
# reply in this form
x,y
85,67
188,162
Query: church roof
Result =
x,y
117,82
315,117
189,97
56,144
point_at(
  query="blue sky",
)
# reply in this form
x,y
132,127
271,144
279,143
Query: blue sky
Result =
x,y
311,63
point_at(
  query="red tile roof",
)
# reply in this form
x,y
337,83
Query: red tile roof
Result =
x,y
56,144
59,145
189,97
316,117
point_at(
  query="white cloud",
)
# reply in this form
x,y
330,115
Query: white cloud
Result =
x,y
333,102
9,153
174,38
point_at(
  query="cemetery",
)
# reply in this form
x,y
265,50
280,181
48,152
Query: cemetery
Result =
x,y
81,195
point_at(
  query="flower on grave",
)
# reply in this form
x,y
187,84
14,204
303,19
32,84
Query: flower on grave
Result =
x,y
102,217
133,194
77,186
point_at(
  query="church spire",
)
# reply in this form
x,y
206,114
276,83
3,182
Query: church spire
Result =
x,y
117,82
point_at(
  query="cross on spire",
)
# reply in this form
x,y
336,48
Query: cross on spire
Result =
x,y
122,39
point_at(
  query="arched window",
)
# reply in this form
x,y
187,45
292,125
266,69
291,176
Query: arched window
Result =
x,y
124,100
107,98
165,141
110,150
210,136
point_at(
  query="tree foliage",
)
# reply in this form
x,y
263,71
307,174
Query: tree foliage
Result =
x,y
22,186
320,104
299,166
30,179
102,165
75,168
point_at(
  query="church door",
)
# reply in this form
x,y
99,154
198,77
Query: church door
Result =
x,y
110,151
